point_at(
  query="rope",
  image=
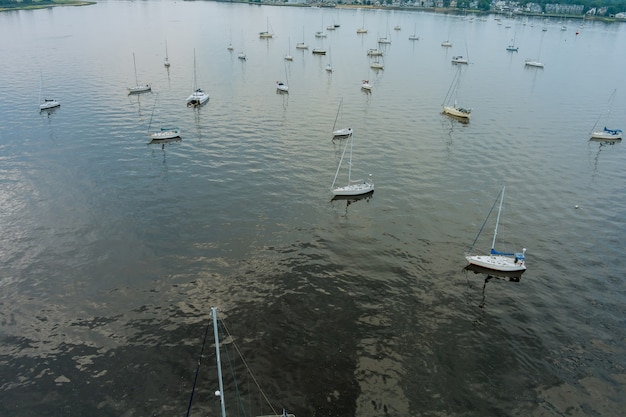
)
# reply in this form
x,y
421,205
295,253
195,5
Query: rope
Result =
x,y
195,380
249,370
232,372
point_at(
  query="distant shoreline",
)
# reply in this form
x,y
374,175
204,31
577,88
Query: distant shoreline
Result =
x,y
443,10
47,5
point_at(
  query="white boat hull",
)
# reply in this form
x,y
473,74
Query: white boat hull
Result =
x,y
49,104
376,65
342,133
139,89
607,135
355,188
197,98
457,112
302,46
165,134
497,262
535,64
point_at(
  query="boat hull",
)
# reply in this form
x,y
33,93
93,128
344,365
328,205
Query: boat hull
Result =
x,y
354,189
535,64
604,135
457,112
342,133
197,98
139,89
165,134
49,104
497,262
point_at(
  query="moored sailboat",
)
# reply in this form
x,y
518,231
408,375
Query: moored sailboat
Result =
x,y
199,96
353,187
499,261
450,106
48,103
606,133
138,88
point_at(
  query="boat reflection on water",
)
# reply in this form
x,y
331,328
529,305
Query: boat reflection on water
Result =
x,y
350,199
490,274
463,120
514,276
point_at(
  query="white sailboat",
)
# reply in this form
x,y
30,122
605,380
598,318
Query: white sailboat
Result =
x,y
218,360
281,87
166,62
266,34
353,187
48,103
512,47
414,36
606,133
499,261
302,45
329,65
460,59
199,96
362,29
366,86
450,106
138,88
288,56
535,63
164,132
377,65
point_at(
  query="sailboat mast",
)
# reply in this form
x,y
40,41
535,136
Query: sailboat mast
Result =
x,y
495,232
195,82
219,365
339,166
135,65
350,161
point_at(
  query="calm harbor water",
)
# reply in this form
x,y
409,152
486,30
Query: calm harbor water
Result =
x,y
112,251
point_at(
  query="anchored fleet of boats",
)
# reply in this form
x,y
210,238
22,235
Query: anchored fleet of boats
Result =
x,y
494,260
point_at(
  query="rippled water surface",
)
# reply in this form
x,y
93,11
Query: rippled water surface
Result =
x,y
112,251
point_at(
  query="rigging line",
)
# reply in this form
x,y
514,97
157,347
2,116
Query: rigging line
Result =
x,y
232,372
248,368
195,380
153,108
452,86
337,116
484,223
